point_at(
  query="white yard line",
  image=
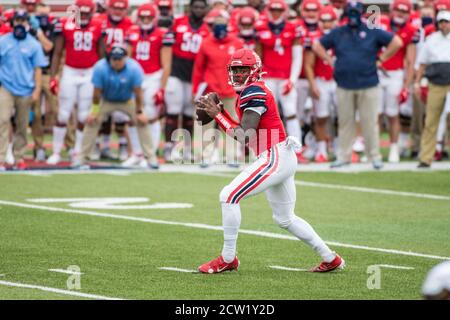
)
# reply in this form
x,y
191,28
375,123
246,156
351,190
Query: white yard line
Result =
x,y
217,228
395,267
66,271
178,269
55,290
288,268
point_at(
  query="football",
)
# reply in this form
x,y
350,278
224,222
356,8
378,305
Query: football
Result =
x,y
202,116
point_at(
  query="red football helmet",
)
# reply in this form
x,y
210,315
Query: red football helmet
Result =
x,y
215,13
313,5
277,5
147,10
402,5
122,4
164,3
327,13
244,58
85,6
441,5
117,9
247,15
8,15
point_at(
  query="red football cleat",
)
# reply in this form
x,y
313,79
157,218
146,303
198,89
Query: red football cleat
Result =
x,y
337,263
218,265
301,159
320,158
21,165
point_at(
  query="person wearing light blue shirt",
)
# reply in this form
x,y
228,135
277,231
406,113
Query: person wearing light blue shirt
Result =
x,y
117,83
21,59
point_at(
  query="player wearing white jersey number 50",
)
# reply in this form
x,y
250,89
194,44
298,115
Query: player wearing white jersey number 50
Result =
x,y
273,171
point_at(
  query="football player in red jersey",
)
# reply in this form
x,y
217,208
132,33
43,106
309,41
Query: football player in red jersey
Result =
x,y
84,46
339,6
397,73
188,32
322,86
165,18
5,25
151,46
115,24
439,5
281,53
246,19
209,73
309,28
272,173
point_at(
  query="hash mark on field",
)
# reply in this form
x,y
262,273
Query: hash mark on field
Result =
x,y
394,267
66,271
288,268
56,290
217,228
178,269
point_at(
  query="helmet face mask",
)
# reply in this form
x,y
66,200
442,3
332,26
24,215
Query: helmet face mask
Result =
x,y
244,69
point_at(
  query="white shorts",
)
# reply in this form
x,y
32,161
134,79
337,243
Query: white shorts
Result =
x,y
272,172
179,97
75,88
288,102
390,88
326,105
304,102
151,85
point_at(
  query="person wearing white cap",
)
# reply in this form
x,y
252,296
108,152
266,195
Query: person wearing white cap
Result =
x,y
437,283
434,59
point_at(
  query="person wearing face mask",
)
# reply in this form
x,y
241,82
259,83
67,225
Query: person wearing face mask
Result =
x,y
246,20
397,75
44,34
322,87
21,60
82,41
210,72
281,54
356,48
188,32
151,46
115,24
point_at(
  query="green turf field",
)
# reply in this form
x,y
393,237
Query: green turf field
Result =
x,y
120,250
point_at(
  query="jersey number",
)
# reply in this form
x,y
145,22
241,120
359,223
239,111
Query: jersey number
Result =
x,y
114,36
143,50
82,41
278,48
191,42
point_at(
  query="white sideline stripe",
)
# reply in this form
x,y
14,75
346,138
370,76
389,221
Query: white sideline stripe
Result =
x,y
371,190
66,271
177,269
2,275
395,267
55,290
219,228
288,269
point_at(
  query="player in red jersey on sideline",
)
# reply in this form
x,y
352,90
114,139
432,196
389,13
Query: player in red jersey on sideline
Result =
x,y
151,46
84,46
246,19
272,173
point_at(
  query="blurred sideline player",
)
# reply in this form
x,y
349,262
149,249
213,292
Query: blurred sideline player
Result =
x,y
322,87
209,73
151,46
309,29
84,46
397,73
115,24
246,19
188,33
281,53
272,173
165,17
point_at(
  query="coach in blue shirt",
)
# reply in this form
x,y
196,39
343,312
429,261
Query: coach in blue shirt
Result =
x,y
356,47
21,59
117,82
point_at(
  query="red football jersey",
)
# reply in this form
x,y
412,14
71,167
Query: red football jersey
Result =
x,y
114,33
270,129
322,69
187,40
146,46
309,34
277,48
5,28
409,34
80,43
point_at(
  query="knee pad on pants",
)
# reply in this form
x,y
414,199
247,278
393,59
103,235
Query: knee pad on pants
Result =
x,y
225,194
64,115
282,214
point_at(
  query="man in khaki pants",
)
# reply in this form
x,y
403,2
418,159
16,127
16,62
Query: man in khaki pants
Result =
x,y
116,79
434,62
21,59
